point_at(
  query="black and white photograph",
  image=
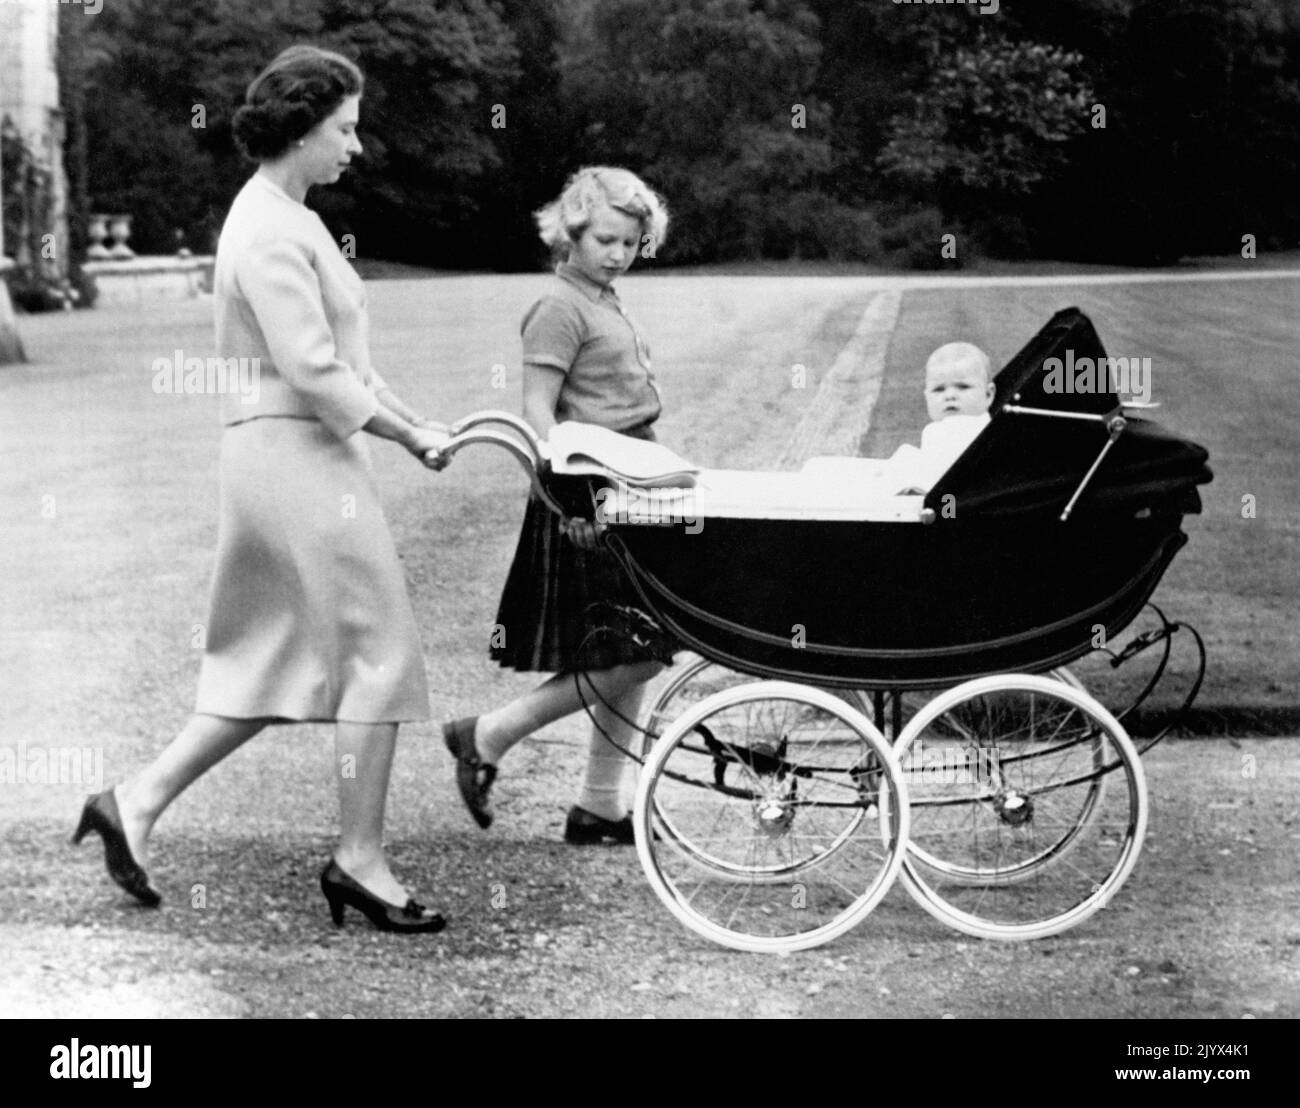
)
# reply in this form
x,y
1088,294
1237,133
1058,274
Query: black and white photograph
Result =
x,y
651,509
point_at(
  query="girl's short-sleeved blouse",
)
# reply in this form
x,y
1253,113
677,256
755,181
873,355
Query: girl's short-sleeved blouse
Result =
x,y
579,327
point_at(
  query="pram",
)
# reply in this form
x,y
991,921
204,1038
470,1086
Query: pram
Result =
x,y
879,684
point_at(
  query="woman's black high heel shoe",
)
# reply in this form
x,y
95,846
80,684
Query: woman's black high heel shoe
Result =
x,y
343,892
101,815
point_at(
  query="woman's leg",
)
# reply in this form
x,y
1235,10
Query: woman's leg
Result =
x,y
364,765
202,743
497,731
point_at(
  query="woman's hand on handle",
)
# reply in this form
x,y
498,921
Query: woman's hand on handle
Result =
x,y
425,439
428,443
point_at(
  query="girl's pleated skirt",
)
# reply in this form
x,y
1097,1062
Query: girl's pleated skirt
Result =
x,y
550,616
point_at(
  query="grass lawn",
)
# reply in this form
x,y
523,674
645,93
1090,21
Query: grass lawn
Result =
x,y
108,493
1223,370
109,490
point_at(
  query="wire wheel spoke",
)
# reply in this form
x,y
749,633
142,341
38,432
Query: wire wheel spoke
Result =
x,y
765,801
1028,822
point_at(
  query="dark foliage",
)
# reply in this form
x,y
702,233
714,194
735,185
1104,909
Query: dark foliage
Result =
x,y
775,128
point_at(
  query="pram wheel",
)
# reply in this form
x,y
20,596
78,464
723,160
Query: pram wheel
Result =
x,y
692,680
1028,806
781,817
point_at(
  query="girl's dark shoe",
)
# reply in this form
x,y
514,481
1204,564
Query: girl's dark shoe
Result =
x,y
101,816
473,778
343,892
584,828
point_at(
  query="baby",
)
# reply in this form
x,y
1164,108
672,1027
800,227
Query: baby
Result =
x,y
958,393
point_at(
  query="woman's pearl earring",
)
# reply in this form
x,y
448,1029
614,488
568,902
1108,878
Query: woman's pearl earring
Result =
x,y
300,142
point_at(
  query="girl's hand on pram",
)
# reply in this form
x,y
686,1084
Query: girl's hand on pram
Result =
x,y
581,532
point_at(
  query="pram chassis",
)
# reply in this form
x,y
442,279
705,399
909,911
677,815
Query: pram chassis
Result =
x,y
772,836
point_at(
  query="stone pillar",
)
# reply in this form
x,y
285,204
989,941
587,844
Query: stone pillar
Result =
x,y
11,347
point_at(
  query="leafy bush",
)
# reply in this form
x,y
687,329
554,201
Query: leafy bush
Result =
x,y
1135,130
912,238
814,225
177,72
711,101
993,119
33,291
1001,234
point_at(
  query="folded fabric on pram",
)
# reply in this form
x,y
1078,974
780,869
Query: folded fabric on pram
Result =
x,y
827,487
586,450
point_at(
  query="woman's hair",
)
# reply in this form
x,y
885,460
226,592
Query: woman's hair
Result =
x,y
301,86
562,221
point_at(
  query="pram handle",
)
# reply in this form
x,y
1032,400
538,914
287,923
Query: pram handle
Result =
x,y
523,445
514,422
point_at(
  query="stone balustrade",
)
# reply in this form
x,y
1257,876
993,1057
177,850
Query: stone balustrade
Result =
x,y
124,277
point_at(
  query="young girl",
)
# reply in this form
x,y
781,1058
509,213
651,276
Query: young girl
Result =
x,y
583,360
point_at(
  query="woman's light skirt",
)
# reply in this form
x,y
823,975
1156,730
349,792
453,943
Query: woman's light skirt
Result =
x,y
309,617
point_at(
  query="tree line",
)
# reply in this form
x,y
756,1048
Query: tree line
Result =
x,y
864,130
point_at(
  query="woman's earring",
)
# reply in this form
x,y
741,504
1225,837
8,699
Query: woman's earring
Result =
x,y
301,142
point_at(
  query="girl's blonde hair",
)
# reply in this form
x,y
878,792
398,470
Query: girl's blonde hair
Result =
x,y
562,221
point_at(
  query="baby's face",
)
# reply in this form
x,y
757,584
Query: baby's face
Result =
x,y
956,387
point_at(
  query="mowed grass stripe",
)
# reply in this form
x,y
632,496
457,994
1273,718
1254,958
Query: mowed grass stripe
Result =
x,y
839,410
